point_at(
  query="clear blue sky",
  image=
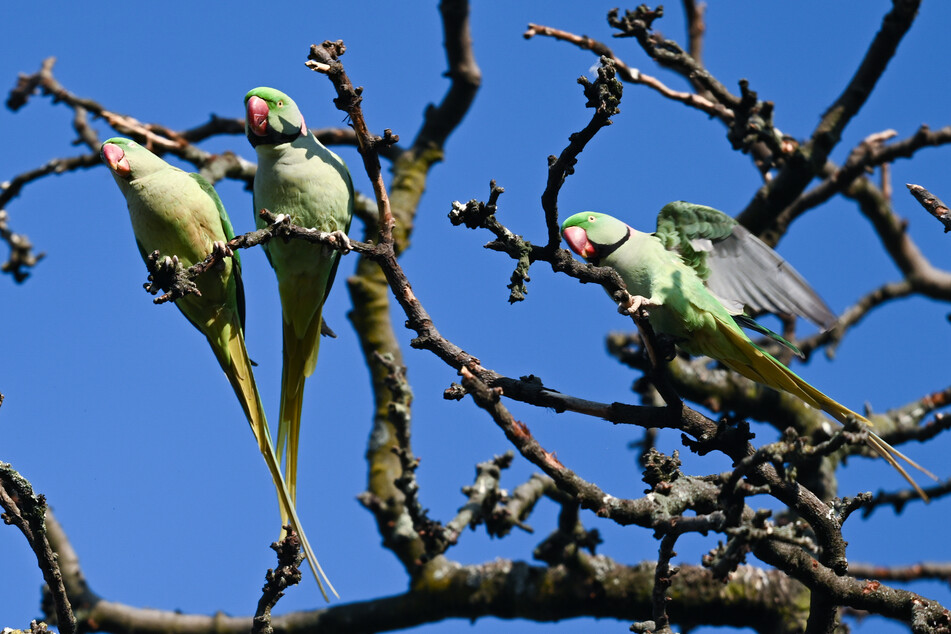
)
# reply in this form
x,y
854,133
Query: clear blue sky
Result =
x,y
116,410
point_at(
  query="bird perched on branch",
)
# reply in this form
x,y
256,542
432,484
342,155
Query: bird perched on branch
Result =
x,y
180,215
298,177
680,305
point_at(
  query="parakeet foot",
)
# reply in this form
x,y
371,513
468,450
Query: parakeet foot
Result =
x,y
221,250
340,240
635,304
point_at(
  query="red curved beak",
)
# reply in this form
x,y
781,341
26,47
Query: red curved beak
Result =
x,y
115,158
257,115
577,239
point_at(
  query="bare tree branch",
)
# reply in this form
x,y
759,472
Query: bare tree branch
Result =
x,y
603,95
871,152
913,572
809,158
696,28
370,291
287,573
932,205
27,511
633,75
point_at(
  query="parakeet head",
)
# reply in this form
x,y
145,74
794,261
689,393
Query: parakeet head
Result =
x,y
593,235
272,117
128,160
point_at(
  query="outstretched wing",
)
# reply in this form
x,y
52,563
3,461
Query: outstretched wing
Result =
x,y
737,265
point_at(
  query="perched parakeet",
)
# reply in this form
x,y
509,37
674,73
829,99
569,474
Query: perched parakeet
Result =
x,y
179,214
736,265
298,177
680,305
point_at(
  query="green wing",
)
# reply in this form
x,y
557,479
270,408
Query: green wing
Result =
x,y
737,266
222,214
209,189
692,231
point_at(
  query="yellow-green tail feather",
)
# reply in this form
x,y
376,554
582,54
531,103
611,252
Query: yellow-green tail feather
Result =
x,y
300,359
758,365
237,367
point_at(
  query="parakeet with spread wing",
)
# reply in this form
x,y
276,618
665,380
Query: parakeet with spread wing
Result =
x,y
298,177
180,215
680,305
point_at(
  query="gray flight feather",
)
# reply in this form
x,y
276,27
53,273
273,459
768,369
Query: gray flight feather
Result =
x,y
738,266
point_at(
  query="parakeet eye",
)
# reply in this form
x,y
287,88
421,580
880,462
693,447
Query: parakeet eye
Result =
x,y
591,219
280,104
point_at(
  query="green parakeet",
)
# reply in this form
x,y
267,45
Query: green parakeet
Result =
x,y
736,265
680,305
180,215
298,177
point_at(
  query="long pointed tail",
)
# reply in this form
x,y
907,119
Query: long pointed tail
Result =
x,y
300,358
763,368
842,414
238,370
889,453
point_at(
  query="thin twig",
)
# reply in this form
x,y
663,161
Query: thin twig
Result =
x,y
324,58
633,75
286,574
932,204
